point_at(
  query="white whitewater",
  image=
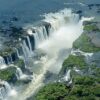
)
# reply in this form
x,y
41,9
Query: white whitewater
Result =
x,y
67,76
66,27
20,74
77,70
18,55
2,63
11,60
39,34
30,47
6,90
26,51
86,54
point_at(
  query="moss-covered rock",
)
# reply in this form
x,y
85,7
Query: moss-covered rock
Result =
x,y
9,54
6,52
84,44
8,74
20,63
91,27
73,61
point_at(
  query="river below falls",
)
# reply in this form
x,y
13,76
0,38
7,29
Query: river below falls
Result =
x,y
57,47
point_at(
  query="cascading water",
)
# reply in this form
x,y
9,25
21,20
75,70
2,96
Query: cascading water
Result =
x,y
11,59
65,28
30,47
67,76
2,63
26,50
18,55
6,90
21,76
19,73
8,62
40,34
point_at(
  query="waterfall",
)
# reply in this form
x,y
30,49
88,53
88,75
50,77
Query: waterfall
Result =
x,y
45,33
26,50
77,70
7,86
6,90
40,34
2,93
60,19
65,28
21,76
30,47
18,55
67,76
8,61
86,54
2,60
19,73
11,59
2,63
36,38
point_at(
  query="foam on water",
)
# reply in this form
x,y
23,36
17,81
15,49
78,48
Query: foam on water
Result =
x,y
65,28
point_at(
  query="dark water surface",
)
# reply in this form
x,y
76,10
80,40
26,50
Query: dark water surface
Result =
x,y
29,11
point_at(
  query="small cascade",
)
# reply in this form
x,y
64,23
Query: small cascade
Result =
x,y
87,55
77,70
6,90
19,73
2,63
65,28
36,38
18,55
45,33
2,93
40,34
30,47
74,52
21,76
67,76
26,50
8,62
7,86
11,60
59,19
2,60
21,56
39,31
